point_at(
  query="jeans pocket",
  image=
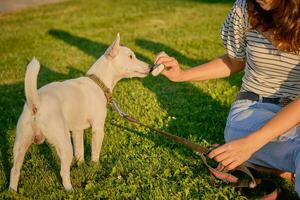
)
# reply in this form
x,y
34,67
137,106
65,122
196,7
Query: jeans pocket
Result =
x,y
247,116
237,107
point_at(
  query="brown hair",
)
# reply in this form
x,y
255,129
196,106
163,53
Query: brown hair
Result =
x,y
283,22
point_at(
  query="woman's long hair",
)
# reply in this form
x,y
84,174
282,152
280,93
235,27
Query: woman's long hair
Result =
x,y
283,22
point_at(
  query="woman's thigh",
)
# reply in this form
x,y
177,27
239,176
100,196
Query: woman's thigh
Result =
x,y
246,116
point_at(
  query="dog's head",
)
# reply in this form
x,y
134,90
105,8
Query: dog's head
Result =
x,y
124,61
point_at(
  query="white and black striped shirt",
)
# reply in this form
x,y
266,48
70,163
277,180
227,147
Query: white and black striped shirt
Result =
x,y
269,72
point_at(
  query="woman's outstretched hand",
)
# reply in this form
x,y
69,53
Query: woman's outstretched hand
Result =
x,y
234,153
172,69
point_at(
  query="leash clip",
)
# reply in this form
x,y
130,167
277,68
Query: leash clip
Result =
x,y
114,104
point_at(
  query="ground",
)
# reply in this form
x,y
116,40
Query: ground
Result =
x,y
135,163
16,5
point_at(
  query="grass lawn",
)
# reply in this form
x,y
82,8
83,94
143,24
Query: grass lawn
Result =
x,y
135,163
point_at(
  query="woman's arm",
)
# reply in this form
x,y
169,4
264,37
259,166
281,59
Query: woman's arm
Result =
x,y
287,118
236,152
217,68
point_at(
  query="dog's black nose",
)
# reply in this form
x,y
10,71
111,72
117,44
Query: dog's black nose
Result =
x,y
151,67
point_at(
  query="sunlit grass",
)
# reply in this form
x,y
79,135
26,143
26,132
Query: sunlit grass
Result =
x,y
135,163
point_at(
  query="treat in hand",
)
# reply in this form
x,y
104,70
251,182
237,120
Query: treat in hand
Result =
x,y
157,69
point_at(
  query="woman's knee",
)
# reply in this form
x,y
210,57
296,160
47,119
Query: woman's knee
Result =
x,y
246,117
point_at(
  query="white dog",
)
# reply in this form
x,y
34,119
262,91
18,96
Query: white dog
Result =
x,y
61,109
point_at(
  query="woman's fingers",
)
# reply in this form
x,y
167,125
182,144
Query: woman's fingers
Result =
x,y
233,154
170,63
164,59
227,165
221,157
161,54
217,151
232,165
225,157
226,162
172,69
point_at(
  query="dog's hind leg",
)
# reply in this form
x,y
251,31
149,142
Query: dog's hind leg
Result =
x,y
60,138
65,152
24,138
77,137
66,157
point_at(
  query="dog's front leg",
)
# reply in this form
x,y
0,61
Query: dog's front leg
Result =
x,y
78,145
97,139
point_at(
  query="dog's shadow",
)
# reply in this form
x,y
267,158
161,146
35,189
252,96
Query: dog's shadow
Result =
x,y
11,104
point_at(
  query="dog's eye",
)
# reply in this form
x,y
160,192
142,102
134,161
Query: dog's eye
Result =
x,y
130,56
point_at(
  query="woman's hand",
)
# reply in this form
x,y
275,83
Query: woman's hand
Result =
x,y
172,69
234,153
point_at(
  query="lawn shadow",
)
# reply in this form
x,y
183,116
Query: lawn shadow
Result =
x,y
88,46
11,104
197,114
193,109
156,47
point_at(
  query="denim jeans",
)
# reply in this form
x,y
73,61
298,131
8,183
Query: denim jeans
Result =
x,y
282,153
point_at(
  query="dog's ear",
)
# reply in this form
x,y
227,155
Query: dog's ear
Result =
x,y
113,49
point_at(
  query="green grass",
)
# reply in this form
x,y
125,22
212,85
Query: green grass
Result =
x,y
135,163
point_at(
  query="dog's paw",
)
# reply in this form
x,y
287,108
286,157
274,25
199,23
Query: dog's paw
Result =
x,y
79,162
95,163
13,190
69,189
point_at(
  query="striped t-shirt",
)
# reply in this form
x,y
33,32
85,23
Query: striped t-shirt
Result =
x,y
269,72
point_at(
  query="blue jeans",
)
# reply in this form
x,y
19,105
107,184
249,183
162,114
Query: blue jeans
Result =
x,y
282,153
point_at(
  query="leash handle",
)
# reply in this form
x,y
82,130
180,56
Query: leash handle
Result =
x,y
224,176
227,177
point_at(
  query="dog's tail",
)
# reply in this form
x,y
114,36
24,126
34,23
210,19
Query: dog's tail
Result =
x,y
31,93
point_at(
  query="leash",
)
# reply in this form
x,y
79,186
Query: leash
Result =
x,y
201,151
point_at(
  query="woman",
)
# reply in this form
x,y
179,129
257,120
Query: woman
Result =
x,y
263,38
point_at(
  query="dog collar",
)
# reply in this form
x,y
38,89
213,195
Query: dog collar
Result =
x,y
103,87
